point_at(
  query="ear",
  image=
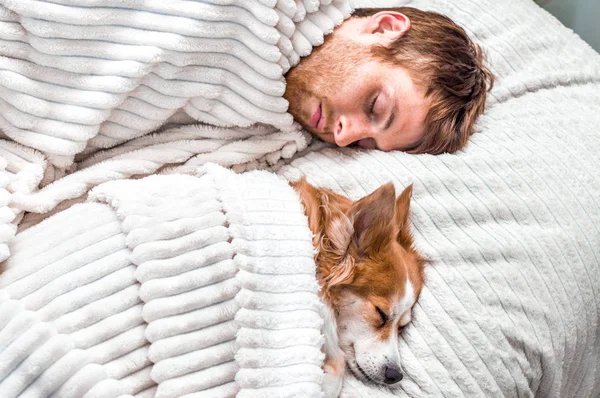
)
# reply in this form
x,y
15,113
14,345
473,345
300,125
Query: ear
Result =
x,y
336,265
372,219
337,226
387,26
402,212
309,196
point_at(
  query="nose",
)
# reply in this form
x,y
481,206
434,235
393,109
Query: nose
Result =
x,y
392,374
349,129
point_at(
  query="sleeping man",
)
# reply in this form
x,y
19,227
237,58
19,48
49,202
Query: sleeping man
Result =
x,y
392,79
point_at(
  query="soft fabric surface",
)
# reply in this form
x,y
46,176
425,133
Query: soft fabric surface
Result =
x,y
92,74
510,225
94,79
137,293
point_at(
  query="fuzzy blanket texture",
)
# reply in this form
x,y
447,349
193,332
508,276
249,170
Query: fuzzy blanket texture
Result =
x,y
165,286
202,286
88,75
123,84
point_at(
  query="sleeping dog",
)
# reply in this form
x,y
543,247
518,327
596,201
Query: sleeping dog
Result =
x,y
370,277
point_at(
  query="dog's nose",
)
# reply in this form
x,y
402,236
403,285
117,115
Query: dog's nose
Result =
x,y
392,374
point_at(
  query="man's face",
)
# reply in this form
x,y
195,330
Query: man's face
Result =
x,y
344,95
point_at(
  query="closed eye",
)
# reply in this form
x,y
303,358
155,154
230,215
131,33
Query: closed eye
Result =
x,y
372,106
383,316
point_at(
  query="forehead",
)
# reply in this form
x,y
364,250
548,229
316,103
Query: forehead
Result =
x,y
397,304
383,277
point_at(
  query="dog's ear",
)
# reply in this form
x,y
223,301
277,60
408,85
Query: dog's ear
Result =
x,y
338,232
337,226
372,219
309,196
402,212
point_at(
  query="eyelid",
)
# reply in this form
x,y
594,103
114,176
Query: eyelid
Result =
x,y
372,104
383,316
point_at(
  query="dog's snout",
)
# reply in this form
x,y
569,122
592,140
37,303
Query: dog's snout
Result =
x,y
392,374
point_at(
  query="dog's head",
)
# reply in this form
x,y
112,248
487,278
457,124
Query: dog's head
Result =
x,y
369,272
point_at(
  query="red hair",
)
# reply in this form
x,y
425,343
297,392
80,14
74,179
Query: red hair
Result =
x,y
443,60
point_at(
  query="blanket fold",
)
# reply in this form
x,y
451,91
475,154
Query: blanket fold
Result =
x,y
83,85
168,284
203,284
98,73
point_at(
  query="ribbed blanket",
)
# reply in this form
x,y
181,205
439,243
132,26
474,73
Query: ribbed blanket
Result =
x,y
92,74
201,286
510,226
124,84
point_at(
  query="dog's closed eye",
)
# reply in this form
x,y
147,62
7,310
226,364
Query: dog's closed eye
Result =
x,y
383,316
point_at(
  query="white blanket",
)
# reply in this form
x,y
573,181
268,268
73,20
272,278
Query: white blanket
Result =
x,y
87,75
166,286
123,84
510,225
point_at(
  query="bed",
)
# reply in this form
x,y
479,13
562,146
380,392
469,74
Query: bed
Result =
x,y
146,269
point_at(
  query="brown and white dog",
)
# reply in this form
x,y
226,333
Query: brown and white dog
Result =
x,y
370,277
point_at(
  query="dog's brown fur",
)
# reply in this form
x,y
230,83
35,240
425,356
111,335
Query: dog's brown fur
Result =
x,y
367,255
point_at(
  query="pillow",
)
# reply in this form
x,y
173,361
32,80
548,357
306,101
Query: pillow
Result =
x,y
510,224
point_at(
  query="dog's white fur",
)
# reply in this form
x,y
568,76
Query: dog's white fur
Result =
x,y
336,367
364,252
357,337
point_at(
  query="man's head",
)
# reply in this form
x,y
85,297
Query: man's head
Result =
x,y
397,78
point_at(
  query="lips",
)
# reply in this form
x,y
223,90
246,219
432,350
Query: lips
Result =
x,y
317,117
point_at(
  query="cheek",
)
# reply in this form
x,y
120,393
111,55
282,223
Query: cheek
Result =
x,y
353,332
294,92
354,324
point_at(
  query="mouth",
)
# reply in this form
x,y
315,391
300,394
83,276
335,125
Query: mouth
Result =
x,y
316,120
357,370
360,373
364,374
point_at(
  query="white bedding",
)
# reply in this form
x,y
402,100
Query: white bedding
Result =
x,y
165,287
89,75
510,226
